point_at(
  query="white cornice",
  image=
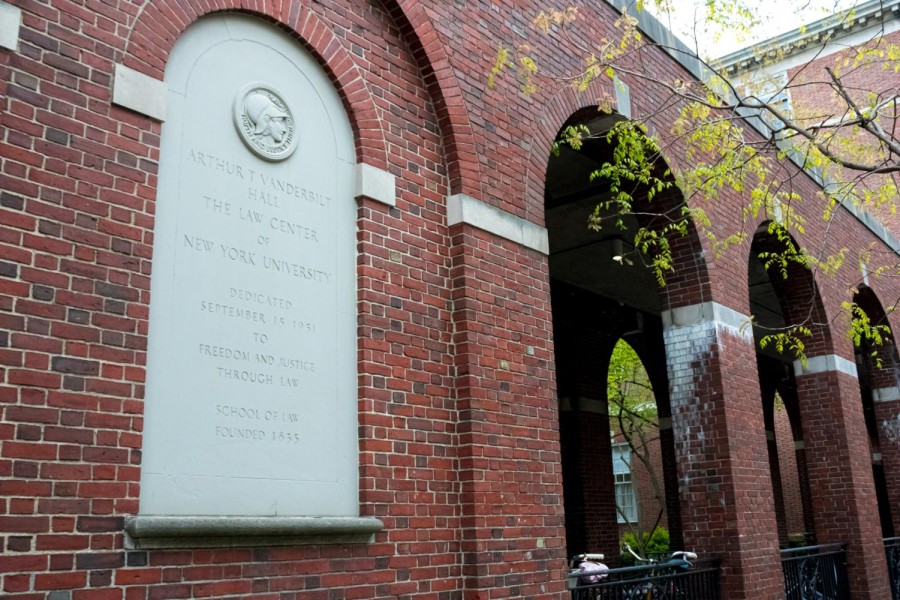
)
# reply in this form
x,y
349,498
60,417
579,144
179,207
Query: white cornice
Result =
x,y
834,31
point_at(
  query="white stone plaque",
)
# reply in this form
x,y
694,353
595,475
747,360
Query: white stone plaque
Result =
x,y
251,392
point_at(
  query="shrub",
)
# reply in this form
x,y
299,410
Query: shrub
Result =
x,y
651,545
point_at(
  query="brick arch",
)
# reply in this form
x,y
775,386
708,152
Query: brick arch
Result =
x,y
689,283
879,365
886,374
798,294
554,113
464,169
160,23
880,373
653,360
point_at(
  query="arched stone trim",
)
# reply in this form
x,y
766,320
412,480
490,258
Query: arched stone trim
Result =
x,y
464,170
160,23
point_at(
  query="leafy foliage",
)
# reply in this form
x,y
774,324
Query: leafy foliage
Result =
x,y
850,145
647,544
863,332
630,395
634,418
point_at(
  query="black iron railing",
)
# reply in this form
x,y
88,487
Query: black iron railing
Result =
x,y
892,550
653,582
815,573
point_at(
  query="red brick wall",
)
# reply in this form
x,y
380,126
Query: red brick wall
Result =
x,y
590,500
509,463
78,181
459,441
649,506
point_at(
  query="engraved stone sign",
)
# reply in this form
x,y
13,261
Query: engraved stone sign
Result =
x,y
250,404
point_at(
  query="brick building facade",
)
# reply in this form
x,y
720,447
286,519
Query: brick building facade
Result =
x,y
484,313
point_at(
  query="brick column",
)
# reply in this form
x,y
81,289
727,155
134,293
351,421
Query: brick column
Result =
x,y
590,498
809,518
887,417
655,363
777,487
769,371
879,378
670,483
582,350
788,391
512,537
839,466
724,483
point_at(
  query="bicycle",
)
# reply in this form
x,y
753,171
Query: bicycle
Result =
x,y
652,579
659,583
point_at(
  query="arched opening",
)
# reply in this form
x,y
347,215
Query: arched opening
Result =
x,y
602,292
834,468
876,364
778,387
636,451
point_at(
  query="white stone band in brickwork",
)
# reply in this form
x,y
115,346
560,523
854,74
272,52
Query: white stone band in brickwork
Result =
x,y
375,183
709,312
462,208
141,93
824,364
10,20
886,394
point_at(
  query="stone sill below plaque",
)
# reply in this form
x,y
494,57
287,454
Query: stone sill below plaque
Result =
x,y
183,531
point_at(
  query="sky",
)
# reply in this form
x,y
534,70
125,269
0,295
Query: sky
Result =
x,y
776,16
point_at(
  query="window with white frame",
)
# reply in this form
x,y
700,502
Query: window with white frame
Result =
x,y
626,502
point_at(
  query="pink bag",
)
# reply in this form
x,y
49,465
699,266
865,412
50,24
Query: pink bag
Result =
x,y
592,572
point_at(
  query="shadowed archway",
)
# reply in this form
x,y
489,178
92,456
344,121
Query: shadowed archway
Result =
x,y
602,291
877,365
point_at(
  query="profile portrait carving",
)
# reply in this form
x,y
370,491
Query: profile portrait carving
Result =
x,y
265,122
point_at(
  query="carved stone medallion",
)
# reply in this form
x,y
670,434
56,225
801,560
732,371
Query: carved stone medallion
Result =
x,y
265,122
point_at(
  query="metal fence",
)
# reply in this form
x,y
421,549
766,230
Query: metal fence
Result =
x,y
815,573
653,582
892,550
